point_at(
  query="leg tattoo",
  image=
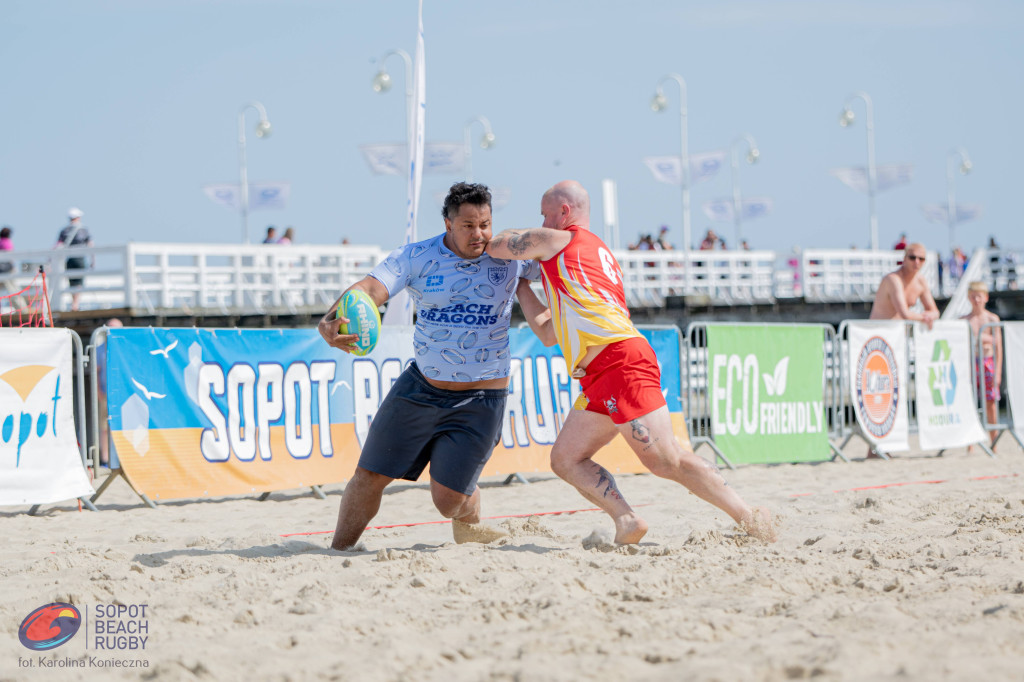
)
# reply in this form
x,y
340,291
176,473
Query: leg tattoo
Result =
x,y
640,432
607,481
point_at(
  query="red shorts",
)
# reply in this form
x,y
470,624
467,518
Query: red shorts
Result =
x,y
623,382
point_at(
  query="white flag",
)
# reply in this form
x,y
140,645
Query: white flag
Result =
x,y
886,177
939,213
262,195
399,310
269,194
702,167
722,209
438,157
226,195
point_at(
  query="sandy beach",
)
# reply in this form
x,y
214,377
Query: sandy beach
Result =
x,y
920,581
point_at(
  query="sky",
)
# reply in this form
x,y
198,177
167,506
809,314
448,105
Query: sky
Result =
x,y
127,108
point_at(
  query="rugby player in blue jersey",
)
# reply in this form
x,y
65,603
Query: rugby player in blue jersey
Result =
x,y
447,407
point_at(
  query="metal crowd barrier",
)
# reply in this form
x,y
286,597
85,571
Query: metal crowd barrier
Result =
x,y
977,358
697,404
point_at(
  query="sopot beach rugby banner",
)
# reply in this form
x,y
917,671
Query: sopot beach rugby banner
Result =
x,y
878,382
767,393
40,461
947,414
203,413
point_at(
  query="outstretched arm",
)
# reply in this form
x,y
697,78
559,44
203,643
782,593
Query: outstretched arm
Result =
x,y
329,326
898,298
537,314
538,243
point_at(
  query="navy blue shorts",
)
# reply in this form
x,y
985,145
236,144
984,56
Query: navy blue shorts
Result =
x,y
456,431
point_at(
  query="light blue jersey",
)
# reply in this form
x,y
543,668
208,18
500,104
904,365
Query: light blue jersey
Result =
x,y
463,307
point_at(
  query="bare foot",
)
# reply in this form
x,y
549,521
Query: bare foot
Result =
x,y
629,529
760,524
475,532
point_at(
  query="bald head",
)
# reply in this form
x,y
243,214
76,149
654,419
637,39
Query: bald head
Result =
x,y
565,204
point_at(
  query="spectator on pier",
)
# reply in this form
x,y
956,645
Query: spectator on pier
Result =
x,y
744,245
74,235
663,241
901,244
6,245
957,264
710,241
902,289
271,235
289,236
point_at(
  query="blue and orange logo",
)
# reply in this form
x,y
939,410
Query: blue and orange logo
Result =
x,y
49,626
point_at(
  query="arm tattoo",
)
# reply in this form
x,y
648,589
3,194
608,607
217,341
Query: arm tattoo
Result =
x,y
640,432
604,478
519,243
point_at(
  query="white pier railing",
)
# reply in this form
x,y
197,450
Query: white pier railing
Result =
x,y
187,279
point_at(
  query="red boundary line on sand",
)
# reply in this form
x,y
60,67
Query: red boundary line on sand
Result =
x,y
592,509
904,483
406,525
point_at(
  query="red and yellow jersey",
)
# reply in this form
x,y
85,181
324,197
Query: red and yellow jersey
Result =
x,y
584,287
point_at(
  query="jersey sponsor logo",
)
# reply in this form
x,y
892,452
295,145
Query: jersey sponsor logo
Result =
x,y
435,281
878,390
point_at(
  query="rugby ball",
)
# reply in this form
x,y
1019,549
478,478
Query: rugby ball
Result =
x,y
363,319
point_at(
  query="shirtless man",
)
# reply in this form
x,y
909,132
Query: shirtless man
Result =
x,y
902,289
991,364
617,368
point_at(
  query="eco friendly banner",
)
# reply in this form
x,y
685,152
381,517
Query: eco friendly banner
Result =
x,y
878,382
39,459
947,413
767,392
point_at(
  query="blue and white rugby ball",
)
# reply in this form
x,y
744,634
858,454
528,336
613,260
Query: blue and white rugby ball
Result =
x,y
363,319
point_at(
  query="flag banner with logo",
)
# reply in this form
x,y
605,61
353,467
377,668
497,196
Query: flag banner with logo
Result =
x,y
939,213
886,177
703,166
1013,356
392,159
766,393
947,412
262,195
214,412
40,462
723,210
877,373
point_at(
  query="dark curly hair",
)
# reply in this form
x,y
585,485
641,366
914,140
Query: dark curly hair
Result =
x,y
465,193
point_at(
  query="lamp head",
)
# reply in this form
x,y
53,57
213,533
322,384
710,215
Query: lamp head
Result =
x,y
658,102
966,166
382,81
263,128
488,140
753,155
847,117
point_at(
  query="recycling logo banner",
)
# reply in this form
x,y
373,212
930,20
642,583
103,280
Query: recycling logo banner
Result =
x,y
767,393
878,382
947,414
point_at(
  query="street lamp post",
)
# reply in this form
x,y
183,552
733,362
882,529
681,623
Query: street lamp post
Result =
x,y
486,142
658,103
753,154
845,119
382,83
262,130
965,168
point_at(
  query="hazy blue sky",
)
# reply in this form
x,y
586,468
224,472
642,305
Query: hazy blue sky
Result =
x,y
126,108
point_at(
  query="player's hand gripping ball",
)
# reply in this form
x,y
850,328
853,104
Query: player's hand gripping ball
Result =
x,y
363,319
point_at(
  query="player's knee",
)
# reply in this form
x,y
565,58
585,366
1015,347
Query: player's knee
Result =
x,y
450,504
561,461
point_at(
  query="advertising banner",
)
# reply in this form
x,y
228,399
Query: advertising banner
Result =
x,y
878,382
40,461
947,412
1013,356
206,413
767,393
